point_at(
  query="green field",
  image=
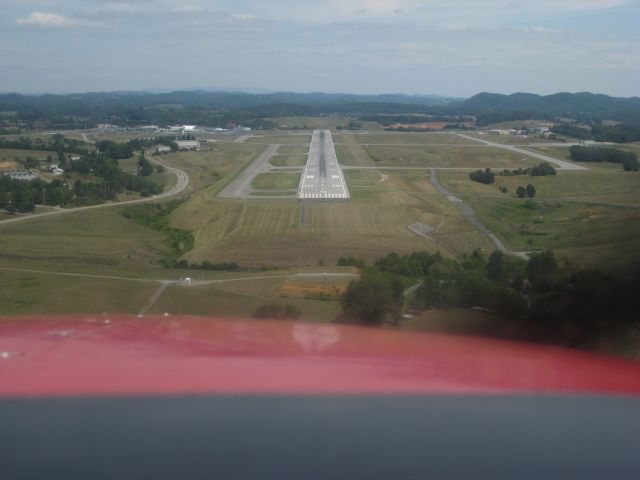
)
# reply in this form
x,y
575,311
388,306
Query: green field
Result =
x,y
10,154
293,150
280,138
276,181
350,152
319,122
213,168
400,138
445,156
592,218
288,160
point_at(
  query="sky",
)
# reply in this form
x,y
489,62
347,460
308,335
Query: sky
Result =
x,y
440,47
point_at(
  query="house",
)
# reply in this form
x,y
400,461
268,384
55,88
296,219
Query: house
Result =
x,y
162,149
188,144
57,171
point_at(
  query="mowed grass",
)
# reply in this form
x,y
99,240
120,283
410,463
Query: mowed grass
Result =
x,y
447,156
293,150
100,237
400,138
10,154
280,138
213,301
288,160
602,184
276,181
329,123
510,139
591,217
566,227
373,223
215,167
35,293
350,152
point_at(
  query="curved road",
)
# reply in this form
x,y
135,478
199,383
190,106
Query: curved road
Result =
x,y
181,183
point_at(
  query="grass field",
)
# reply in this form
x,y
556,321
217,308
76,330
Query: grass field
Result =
x,y
280,138
592,218
350,152
213,168
10,154
288,160
510,139
293,150
319,122
276,181
400,138
373,223
445,156
32,293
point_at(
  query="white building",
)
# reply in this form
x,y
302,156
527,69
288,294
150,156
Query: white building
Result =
x,y
19,175
188,144
162,149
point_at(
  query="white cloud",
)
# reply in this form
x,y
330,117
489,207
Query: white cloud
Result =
x,y
243,16
53,20
189,9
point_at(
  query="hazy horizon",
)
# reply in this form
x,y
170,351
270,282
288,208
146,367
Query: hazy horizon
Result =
x,y
363,46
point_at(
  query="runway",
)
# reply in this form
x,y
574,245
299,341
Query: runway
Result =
x,y
322,178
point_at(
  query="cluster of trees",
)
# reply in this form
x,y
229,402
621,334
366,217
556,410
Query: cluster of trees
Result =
x,y
141,143
541,170
528,191
114,150
57,143
350,262
629,160
277,311
538,299
206,265
113,179
483,176
620,133
23,196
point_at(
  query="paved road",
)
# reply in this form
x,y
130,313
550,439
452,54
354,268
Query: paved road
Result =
x,y
181,184
240,187
322,178
564,165
469,215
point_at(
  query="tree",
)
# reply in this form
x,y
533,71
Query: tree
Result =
x,y
369,299
531,191
145,168
541,265
631,165
495,266
521,192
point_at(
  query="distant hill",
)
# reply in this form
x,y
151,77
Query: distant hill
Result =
x,y
582,104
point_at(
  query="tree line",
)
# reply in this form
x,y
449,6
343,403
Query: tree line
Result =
x,y
629,160
539,299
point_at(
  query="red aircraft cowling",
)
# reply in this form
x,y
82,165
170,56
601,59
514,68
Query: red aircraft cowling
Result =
x,y
177,355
